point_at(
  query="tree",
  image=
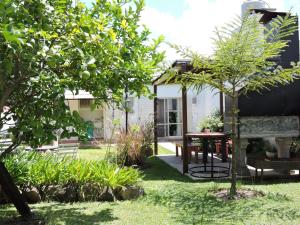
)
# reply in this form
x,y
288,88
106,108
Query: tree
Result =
x,y
50,46
244,60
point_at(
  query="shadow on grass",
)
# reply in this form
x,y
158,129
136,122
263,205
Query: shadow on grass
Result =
x,y
63,214
159,170
198,206
194,204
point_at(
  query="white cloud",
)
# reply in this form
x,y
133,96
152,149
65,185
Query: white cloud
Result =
x,y
194,28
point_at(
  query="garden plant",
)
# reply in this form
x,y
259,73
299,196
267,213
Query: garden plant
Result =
x,y
243,61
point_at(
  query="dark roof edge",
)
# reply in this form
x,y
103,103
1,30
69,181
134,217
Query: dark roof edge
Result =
x,y
175,63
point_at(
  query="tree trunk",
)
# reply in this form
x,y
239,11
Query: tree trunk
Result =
x,y
13,192
234,145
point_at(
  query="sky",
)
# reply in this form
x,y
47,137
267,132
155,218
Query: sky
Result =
x,y
190,23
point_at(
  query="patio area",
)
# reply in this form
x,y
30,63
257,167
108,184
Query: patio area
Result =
x,y
176,162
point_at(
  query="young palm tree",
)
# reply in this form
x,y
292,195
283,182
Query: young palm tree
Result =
x,y
244,57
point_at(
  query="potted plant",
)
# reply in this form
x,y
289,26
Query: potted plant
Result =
x,y
211,123
271,151
294,150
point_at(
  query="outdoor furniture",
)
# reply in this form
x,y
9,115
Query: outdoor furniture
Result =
x,y
276,164
4,143
191,148
211,168
70,150
218,145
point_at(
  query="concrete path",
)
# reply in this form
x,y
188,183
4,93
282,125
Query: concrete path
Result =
x,y
168,145
199,173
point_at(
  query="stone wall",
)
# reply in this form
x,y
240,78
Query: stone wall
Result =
x,y
263,127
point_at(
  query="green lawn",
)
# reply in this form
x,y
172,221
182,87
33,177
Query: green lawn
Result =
x,y
174,199
98,154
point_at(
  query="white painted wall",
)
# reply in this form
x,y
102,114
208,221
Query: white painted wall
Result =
x,y
207,101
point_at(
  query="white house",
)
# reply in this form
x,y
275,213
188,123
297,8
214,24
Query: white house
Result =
x,y
142,110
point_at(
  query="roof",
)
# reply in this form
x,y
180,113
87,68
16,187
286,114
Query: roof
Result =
x,y
181,65
268,15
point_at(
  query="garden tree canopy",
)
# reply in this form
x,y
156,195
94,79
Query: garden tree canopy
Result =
x,y
49,46
244,60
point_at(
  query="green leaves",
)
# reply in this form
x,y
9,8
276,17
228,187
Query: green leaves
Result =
x,y
245,56
50,46
32,168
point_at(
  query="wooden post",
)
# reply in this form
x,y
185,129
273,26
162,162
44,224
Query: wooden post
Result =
x,y
155,121
184,131
126,110
222,107
12,192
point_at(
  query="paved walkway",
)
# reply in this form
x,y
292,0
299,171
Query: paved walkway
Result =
x,y
176,163
168,145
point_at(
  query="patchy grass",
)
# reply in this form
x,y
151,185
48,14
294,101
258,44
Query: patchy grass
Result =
x,y
99,154
94,153
175,199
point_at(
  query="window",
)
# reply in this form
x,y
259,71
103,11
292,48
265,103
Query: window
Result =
x,y
84,103
169,117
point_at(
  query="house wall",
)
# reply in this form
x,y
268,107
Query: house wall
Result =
x,y
207,101
204,104
95,116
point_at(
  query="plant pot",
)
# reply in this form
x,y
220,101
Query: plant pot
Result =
x,y
271,155
206,130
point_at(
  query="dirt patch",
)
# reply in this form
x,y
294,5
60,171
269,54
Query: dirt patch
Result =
x,y
241,194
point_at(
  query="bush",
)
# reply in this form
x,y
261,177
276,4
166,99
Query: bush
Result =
x,y
31,168
212,122
133,148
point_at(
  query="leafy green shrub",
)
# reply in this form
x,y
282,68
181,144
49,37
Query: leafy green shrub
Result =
x,y
212,122
31,168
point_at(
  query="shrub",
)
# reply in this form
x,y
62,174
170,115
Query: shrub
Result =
x,y
31,168
133,147
212,122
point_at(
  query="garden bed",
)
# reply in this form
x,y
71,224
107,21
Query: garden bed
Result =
x,y
49,178
241,194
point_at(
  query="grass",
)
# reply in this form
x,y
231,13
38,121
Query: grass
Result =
x,y
164,151
174,199
99,153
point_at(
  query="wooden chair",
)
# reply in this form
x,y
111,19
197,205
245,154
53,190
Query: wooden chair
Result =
x,y
219,145
191,148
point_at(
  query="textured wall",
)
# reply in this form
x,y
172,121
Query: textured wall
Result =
x,y
258,127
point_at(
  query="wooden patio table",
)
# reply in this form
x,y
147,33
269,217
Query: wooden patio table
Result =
x,y
205,138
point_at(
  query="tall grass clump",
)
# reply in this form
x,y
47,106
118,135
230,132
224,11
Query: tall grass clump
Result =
x,y
133,147
31,168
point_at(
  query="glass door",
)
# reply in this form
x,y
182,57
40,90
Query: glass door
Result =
x,y
169,115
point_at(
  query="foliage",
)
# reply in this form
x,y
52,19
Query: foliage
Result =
x,y
267,147
31,168
212,122
48,47
133,147
295,148
168,192
245,59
